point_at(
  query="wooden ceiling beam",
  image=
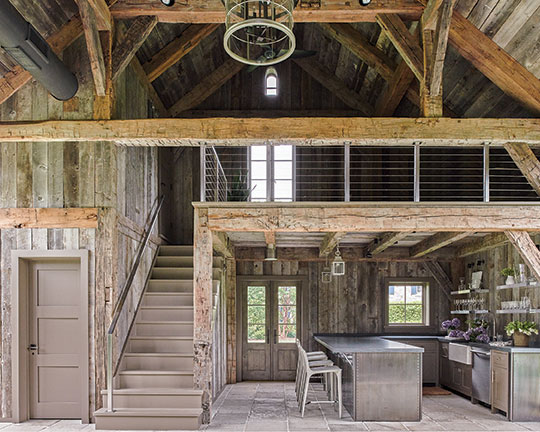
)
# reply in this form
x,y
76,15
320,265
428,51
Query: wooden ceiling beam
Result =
x,y
495,63
435,242
405,43
383,242
212,11
208,86
440,276
329,242
48,218
333,84
526,247
527,162
396,89
482,244
222,244
129,43
173,52
306,131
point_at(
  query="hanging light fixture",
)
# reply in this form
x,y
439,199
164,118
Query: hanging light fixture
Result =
x,y
271,81
270,254
326,274
338,265
259,32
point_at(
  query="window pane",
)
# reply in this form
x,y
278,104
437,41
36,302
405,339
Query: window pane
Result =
x,y
258,170
396,294
258,153
256,334
283,170
283,189
283,152
414,294
287,295
256,295
256,314
287,314
414,313
396,313
258,189
287,333
405,304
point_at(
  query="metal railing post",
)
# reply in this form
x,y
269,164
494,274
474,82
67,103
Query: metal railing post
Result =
x,y
416,192
486,172
347,172
203,172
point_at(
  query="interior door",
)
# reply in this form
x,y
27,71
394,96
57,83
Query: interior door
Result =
x,y
55,389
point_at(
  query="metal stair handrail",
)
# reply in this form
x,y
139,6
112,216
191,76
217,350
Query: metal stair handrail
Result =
x,y
122,300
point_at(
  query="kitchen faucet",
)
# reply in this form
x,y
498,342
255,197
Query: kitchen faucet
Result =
x,y
493,322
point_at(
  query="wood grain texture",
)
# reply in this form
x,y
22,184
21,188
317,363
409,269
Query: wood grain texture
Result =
x,y
527,162
222,244
435,242
230,287
442,278
397,87
526,247
48,218
490,241
383,242
329,243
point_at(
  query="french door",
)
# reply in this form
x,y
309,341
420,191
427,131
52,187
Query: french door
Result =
x,y
270,325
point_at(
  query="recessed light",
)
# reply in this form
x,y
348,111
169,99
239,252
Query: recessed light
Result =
x,y
168,3
365,2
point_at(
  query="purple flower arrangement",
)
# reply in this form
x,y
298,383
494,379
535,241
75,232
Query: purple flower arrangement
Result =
x,y
451,325
477,331
477,334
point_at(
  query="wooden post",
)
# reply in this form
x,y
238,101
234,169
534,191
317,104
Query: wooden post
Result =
x,y
230,286
526,247
202,302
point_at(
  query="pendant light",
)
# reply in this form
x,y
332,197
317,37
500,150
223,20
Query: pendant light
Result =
x,y
270,254
338,265
326,274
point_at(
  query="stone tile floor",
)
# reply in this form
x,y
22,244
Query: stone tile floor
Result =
x,y
272,407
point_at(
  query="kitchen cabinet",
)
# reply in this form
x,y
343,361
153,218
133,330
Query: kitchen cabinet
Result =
x,y
500,378
454,375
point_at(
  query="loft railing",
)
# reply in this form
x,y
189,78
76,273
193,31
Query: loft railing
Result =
x,y
119,307
415,173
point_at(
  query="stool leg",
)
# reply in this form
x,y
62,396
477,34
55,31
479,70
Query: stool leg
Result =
x,y
304,395
339,399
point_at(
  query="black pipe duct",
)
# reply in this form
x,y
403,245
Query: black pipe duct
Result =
x,y
22,42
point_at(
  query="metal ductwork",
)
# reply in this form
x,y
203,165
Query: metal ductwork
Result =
x,y
22,42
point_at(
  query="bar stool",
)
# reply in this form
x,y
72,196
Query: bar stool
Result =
x,y
307,371
315,359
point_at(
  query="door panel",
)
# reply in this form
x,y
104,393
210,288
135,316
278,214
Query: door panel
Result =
x,y
55,330
286,319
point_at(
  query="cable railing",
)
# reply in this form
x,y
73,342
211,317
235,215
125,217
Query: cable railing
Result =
x,y
348,173
119,306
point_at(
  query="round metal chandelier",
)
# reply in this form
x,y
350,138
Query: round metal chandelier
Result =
x,y
259,32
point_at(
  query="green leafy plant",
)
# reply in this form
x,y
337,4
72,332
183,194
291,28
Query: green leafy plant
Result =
x,y
478,322
525,327
238,189
508,272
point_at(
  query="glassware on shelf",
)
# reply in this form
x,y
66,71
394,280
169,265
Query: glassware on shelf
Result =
x,y
522,275
462,286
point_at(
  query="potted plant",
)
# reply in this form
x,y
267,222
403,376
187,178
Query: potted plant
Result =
x,y
521,331
238,188
509,273
452,328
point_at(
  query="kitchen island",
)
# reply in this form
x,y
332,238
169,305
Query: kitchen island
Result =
x,y
382,379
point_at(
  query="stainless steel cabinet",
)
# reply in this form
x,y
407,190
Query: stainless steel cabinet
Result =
x,y
430,358
500,379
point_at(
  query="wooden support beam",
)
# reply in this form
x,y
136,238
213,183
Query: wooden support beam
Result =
x,y
526,247
270,237
303,131
431,14
152,93
230,287
208,86
527,162
348,217
435,242
405,43
212,11
130,42
383,242
93,45
482,244
396,89
329,242
48,218
17,77
337,87
440,276
104,19
202,310
495,63
222,244
173,52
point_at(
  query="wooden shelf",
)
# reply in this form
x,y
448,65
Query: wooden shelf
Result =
x,y
518,311
468,291
466,312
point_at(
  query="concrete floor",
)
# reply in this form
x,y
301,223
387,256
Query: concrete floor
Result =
x,y
272,407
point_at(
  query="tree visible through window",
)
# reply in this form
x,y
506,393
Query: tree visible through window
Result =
x,y
256,314
406,303
287,314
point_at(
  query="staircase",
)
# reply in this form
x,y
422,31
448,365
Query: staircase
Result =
x,y
154,385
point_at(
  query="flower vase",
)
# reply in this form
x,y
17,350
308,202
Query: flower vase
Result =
x,y
510,280
521,339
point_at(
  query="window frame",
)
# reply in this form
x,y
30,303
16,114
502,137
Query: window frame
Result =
x,y
426,303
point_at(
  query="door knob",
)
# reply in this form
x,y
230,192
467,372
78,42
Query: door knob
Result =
x,y
32,347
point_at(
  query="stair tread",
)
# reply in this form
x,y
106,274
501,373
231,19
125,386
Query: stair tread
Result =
x,y
164,322
167,293
156,391
156,354
165,307
163,337
151,412
155,372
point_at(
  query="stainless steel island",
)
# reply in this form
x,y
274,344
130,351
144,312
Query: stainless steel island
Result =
x,y
382,379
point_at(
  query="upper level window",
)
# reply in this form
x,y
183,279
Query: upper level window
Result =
x,y
407,303
271,173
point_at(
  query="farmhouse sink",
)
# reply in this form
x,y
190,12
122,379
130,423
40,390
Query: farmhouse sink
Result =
x,y
460,353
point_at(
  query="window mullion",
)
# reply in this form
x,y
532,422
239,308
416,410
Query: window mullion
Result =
x,y
270,172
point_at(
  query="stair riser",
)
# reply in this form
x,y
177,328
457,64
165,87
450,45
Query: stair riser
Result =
x,y
161,381
176,251
161,346
178,273
163,329
158,363
179,286
182,261
154,401
166,314
168,300
147,423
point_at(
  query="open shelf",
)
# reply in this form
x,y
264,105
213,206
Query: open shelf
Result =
x,y
517,311
518,285
466,312
468,291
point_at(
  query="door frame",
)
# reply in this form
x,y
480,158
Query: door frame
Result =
x,y
240,283
20,283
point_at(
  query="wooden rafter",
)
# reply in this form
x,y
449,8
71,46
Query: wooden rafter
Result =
x,y
526,247
435,242
222,244
440,276
306,131
405,43
482,244
527,162
130,42
102,13
208,86
332,83
48,218
396,89
329,242
173,52
17,77
212,11
383,242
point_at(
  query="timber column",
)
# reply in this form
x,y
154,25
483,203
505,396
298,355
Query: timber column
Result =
x,y
202,302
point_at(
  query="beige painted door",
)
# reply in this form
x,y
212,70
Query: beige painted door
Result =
x,y
55,389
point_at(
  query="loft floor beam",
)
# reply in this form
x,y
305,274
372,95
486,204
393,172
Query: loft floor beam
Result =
x,y
435,242
380,244
329,243
482,244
